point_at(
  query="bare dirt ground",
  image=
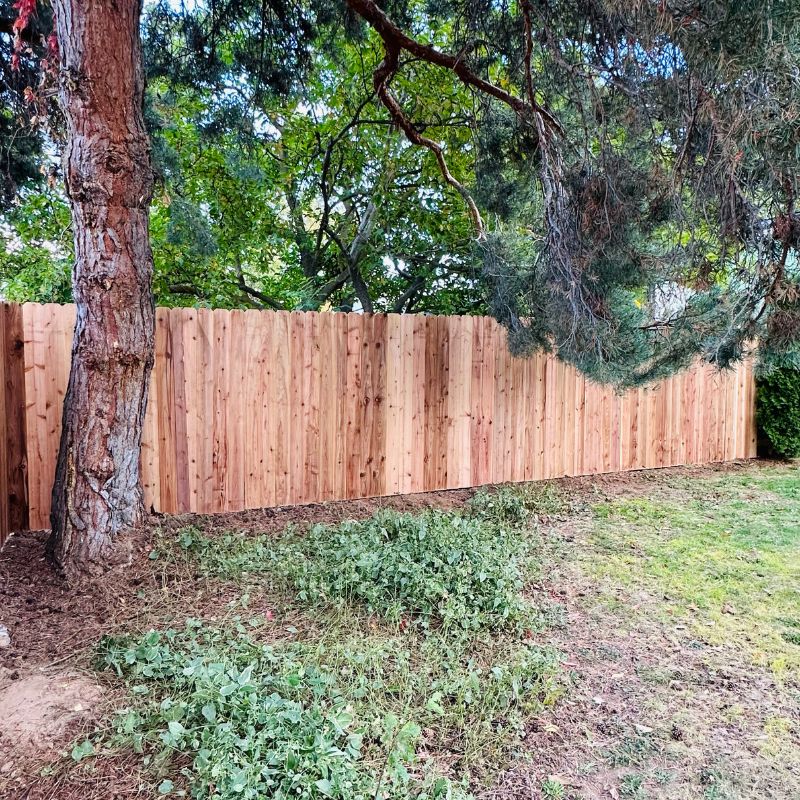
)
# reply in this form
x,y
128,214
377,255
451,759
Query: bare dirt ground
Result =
x,y
652,711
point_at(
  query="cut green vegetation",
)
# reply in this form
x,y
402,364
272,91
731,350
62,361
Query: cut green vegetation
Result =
x,y
422,675
346,717
457,572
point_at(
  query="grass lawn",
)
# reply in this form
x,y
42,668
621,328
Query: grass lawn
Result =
x,y
724,553
619,636
684,597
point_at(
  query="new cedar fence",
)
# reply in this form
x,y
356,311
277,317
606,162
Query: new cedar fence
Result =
x,y
251,408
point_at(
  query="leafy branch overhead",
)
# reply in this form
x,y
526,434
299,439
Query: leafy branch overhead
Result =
x,y
661,144
615,182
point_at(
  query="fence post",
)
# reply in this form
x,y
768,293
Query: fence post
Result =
x,y
13,457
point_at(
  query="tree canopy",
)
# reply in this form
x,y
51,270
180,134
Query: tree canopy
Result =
x,y
615,182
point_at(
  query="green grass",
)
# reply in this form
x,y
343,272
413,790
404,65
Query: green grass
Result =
x,y
553,789
721,553
631,786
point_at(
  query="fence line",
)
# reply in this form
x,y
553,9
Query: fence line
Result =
x,y
250,409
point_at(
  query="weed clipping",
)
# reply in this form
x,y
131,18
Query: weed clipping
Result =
x,y
440,660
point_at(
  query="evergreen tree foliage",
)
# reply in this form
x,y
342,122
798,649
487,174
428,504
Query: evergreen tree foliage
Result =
x,y
779,409
646,158
671,226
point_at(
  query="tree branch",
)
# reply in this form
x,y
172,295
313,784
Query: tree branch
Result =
x,y
251,292
383,74
416,286
323,293
395,41
394,38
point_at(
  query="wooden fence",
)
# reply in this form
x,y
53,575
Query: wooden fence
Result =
x,y
250,409
13,479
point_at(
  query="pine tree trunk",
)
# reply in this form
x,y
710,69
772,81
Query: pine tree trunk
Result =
x,y
97,492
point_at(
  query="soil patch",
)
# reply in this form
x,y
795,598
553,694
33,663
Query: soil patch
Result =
x,y
40,714
618,669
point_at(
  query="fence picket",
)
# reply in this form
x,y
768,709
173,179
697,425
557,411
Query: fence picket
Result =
x,y
253,409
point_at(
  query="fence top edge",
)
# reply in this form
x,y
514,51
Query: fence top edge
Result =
x,y
268,311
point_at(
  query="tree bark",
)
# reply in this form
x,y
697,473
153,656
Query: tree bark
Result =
x,y
97,492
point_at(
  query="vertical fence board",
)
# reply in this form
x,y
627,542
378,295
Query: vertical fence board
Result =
x,y
528,419
406,368
5,432
35,397
202,344
195,323
296,409
253,404
251,409
163,378
750,411
13,466
418,410
279,404
394,402
353,407
435,396
459,403
41,452
519,440
375,379
479,423
311,400
499,401
341,400
328,406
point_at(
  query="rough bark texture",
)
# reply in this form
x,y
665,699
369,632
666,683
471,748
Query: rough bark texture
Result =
x,y
97,492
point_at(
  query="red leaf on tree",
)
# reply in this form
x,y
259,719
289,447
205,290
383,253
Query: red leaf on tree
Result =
x,y
25,10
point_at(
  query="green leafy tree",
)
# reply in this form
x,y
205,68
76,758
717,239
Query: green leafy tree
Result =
x,y
320,203
36,254
307,197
